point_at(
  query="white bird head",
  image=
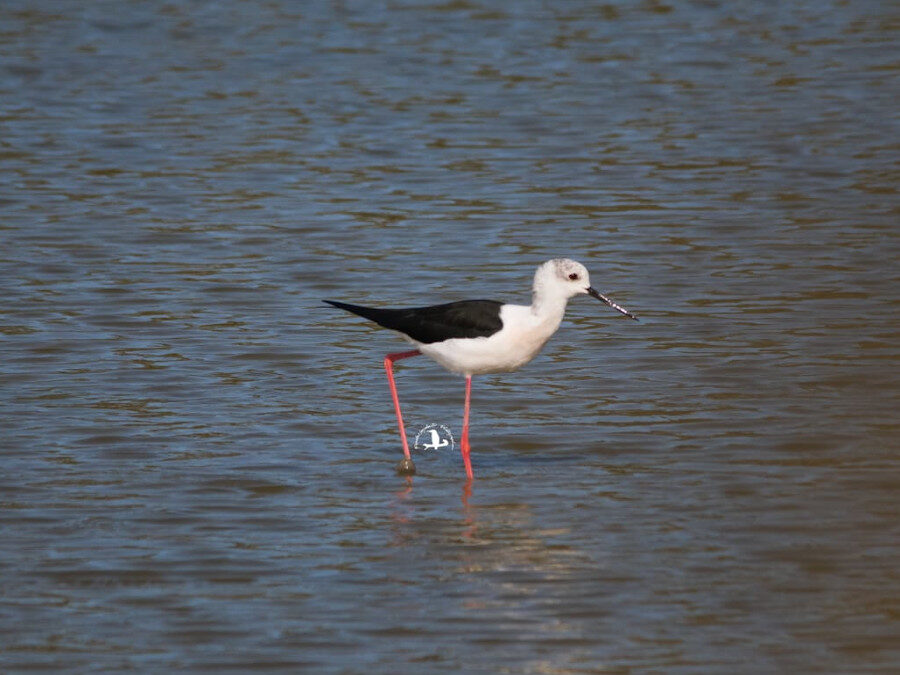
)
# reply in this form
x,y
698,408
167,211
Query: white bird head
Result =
x,y
560,279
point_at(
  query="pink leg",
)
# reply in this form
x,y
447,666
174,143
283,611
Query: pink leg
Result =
x,y
388,366
464,445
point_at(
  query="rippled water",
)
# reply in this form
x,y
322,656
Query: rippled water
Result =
x,y
198,456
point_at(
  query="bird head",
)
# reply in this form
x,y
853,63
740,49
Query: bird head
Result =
x,y
563,278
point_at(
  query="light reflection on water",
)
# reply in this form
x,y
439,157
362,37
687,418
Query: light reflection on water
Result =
x,y
198,456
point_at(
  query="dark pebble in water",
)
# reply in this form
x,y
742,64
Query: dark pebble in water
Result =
x,y
406,467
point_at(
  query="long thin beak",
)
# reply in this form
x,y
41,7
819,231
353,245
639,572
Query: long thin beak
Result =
x,y
602,298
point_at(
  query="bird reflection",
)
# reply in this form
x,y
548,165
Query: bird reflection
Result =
x,y
403,509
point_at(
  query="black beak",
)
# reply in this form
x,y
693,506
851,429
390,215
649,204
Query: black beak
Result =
x,y
602,298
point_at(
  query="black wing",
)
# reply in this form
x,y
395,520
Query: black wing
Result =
x,y
464,319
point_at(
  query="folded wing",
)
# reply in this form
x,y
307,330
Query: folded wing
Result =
x,y
464,319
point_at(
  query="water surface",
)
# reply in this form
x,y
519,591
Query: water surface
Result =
x,y
198,456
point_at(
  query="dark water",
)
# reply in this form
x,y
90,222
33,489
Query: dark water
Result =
x,y
198,457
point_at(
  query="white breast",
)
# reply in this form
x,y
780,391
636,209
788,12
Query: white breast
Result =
x,y
521,338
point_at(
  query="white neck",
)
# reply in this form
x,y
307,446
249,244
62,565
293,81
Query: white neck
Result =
x,y
546,304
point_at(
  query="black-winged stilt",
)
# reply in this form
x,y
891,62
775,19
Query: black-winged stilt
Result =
x,y
472,337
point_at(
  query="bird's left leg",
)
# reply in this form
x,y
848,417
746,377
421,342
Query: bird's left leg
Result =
x,y
406,466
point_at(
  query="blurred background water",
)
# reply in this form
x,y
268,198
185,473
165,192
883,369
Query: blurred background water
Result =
x,y
197,456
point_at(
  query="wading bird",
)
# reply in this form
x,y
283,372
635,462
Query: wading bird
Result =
x,y
473,337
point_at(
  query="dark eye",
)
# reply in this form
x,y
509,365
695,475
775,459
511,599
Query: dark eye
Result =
x,y
573,276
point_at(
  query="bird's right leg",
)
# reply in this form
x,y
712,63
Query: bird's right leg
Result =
x,y
464,444
406,466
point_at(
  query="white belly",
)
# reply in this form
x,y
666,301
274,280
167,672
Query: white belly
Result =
x,y
521,338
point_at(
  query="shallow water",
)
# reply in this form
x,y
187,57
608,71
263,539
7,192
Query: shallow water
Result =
x,y
198,456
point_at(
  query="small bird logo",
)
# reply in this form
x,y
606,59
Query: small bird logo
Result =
x,y
436,442
433,437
